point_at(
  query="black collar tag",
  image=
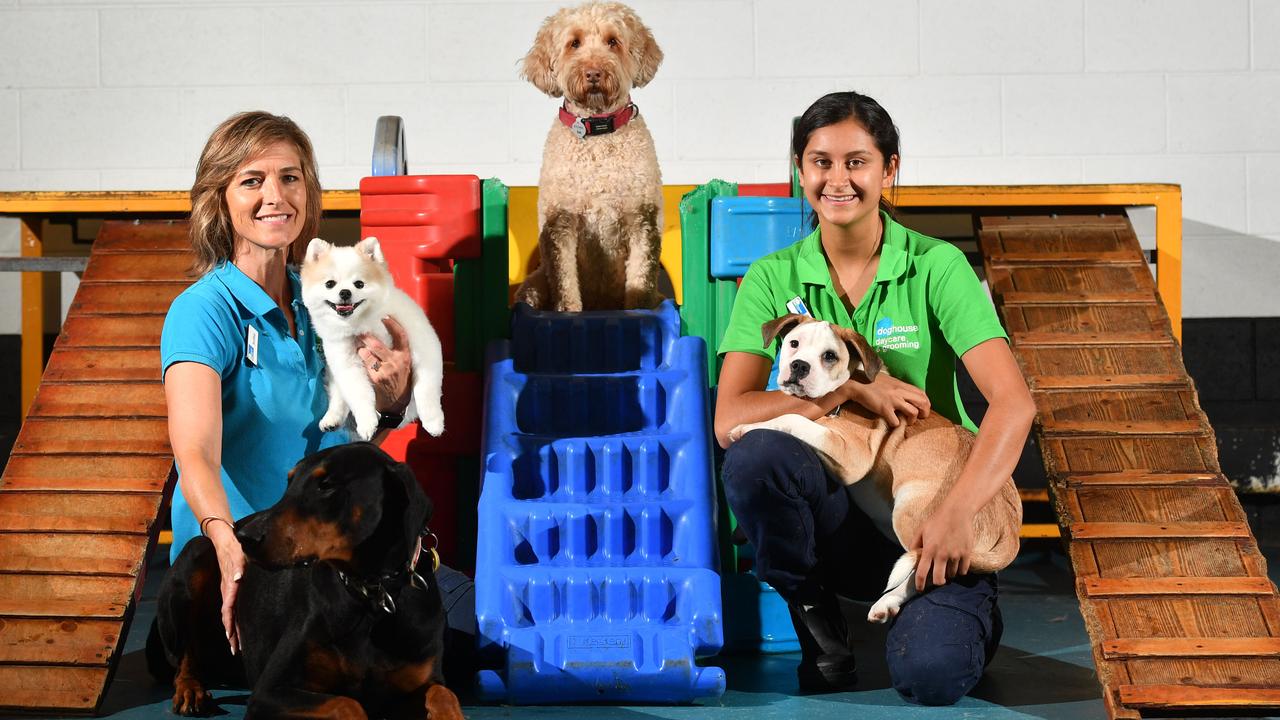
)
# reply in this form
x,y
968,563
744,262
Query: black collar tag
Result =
x,y
599,125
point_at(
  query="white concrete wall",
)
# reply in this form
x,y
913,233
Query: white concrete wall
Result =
x,y
113,95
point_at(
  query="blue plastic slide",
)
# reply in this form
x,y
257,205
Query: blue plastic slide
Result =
x,y
596,561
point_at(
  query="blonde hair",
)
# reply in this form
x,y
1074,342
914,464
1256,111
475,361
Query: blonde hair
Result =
x,y
238,140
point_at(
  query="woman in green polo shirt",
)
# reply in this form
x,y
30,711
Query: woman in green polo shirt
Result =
x,y
921,305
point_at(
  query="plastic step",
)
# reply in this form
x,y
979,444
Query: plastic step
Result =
x,y
596,567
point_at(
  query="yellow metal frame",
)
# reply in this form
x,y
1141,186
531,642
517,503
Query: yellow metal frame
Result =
x,y
31,208
32,312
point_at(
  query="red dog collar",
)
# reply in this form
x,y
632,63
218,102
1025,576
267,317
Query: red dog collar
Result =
x,y
598,124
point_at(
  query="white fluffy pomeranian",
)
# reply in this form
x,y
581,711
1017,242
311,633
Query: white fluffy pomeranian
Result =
x,y
348,291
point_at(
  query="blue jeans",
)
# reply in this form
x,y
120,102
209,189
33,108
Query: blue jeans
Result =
x,y
810,537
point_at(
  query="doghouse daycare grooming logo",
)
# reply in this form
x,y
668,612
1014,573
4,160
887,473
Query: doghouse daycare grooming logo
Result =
x,y
896,337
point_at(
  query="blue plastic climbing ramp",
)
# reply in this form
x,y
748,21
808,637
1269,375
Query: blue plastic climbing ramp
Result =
x,y
596,561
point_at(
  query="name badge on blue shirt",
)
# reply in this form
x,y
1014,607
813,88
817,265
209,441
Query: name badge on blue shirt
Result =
x,y
251,345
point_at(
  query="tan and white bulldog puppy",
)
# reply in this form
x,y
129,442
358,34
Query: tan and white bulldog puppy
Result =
x,y
899,475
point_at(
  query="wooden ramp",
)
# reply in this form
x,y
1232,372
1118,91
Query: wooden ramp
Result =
x,y
1172,587
85,483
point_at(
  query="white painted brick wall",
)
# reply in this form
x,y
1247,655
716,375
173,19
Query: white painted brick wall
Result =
x,y
481,41
1264,194
9,152
857,39
1084,114
1238,112
110,128
32,180
101,94
702,39
220,46
1191,35
999,36
348,43
148,179
991,171
1265,26
48,48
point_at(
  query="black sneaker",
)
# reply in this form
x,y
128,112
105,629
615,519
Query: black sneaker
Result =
x,y
826,663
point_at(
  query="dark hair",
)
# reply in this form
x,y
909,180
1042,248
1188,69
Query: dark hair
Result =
x,y
837,107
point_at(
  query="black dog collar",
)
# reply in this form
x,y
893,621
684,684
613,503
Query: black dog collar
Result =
x,y
375,591
598,124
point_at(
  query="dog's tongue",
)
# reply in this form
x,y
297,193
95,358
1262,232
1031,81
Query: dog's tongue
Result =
x,y
344,309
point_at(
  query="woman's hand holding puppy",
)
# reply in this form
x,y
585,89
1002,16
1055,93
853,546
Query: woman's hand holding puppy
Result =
x,y
945,542
390,368
889,398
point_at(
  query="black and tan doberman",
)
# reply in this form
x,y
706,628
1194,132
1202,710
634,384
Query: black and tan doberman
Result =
x,y
339,611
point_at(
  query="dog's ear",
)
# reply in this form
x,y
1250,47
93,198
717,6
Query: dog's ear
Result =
x,y
370,248
316,248
539,65
864,362
645,52
417,506
779,327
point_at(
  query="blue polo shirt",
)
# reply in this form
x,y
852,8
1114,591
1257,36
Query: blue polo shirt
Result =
x,y
271,403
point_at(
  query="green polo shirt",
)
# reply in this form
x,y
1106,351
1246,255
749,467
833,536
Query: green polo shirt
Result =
x,y
925,308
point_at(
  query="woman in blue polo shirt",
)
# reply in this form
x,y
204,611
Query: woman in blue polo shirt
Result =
x,y
241,368
921,304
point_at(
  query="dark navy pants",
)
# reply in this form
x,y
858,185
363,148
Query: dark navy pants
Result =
x,y
458,593
810,536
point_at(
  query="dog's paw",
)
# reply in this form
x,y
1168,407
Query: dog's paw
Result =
x,y
885,609
736,434
366,425
433,423
530,297
190,697
645,299
332,421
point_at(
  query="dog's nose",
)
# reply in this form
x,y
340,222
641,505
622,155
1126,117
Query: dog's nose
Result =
x,y
593,76
799,369
344,295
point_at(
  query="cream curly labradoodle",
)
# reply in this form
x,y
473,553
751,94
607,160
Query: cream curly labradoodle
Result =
x,y
600,193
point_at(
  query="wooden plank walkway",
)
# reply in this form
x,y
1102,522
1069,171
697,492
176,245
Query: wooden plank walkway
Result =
x,y
1172,587
82,493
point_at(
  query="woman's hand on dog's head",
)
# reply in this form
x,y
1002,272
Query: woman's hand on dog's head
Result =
x,y
390,368
231,564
